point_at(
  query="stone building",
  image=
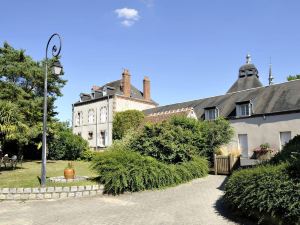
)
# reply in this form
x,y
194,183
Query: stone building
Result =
x,y
259,114
92,115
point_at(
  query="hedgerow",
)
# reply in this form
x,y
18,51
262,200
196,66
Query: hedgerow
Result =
x,y
123,170
266,192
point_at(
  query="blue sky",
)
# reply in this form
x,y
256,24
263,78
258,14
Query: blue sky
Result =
x,y
190,49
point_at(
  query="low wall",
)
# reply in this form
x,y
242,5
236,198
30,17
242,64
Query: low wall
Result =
x,y
50,192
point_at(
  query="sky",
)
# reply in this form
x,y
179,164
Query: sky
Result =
x,y
189,49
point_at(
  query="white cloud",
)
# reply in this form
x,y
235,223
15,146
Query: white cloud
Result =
x,y
128,16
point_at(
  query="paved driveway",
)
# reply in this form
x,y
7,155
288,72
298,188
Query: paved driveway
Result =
x,y
192,203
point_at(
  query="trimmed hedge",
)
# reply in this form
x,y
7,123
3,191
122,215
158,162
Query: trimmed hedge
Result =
x,y
122,170
265,192
288,151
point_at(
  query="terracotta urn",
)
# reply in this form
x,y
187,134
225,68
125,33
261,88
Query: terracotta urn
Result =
x,y
69,173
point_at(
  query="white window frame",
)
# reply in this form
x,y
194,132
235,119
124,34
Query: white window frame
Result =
x,y
91,116
102,141
244,110
78,118
281,137
211,113
103,114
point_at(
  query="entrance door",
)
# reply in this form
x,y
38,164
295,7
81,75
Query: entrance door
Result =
x,y
285,137
243,144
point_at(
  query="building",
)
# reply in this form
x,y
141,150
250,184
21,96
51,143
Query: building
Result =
x,y
92,115
259,114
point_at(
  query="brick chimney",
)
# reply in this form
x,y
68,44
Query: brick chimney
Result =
x,y
126,86
146,88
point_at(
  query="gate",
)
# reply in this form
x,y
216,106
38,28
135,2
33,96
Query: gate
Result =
x,y
224,164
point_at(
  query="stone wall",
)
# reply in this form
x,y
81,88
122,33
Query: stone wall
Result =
x,y
50,192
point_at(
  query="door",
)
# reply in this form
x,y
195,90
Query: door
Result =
x,y
285,137
243,144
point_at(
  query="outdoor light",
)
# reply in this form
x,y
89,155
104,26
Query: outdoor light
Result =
x,y
56,68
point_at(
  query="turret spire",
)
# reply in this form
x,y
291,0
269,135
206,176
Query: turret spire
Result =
x,y
248,59
271,78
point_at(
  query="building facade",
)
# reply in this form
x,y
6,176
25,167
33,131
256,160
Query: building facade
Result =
x,y
259,114
92,115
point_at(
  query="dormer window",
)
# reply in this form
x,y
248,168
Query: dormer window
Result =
x,y
211,113
243,109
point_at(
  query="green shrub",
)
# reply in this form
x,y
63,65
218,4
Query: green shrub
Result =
x,y
180,138
285,155
121,170
265,192
125,121
66,145
88,155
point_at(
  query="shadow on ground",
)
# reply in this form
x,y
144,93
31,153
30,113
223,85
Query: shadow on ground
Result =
x,y
223,210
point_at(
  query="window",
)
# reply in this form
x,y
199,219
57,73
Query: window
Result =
x,y
243,109
91,116
78,119
90,135
102,138
285,137
211,113
243,144
79,134
103,115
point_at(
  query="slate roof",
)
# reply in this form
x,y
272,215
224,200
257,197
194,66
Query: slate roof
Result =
x,y
117,85
278,98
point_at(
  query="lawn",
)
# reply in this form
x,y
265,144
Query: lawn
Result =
x,y
29,173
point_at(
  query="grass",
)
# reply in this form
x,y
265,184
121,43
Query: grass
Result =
x,y
28,175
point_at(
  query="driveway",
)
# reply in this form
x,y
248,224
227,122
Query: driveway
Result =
x,y
196,202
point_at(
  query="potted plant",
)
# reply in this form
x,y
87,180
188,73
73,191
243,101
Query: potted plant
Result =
x,y
263,152
69,171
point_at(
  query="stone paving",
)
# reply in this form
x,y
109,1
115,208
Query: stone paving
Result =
x,y
197,202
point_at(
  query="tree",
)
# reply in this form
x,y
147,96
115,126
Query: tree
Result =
x,y
295,77
126,120
22,82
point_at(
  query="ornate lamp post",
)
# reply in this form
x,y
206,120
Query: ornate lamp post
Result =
x,y
56,69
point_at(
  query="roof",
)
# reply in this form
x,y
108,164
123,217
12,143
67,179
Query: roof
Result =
x,y
244,83
278,98
117,90
159,117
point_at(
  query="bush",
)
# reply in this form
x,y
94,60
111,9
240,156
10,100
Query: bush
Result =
x,y
265,192
121,170
286,154
180,138
88,155
125,121
66,145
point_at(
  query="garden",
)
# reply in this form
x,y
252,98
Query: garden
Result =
x,y
270,192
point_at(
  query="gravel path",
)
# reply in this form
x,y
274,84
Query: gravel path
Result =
x,y
196,202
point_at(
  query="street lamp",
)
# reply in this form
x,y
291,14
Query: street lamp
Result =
x,y
56,69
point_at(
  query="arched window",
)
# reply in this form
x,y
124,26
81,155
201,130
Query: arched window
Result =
x,y
78,118
103,115
91,116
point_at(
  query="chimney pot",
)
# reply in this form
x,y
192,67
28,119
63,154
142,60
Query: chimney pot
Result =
x,y
126,83
146,88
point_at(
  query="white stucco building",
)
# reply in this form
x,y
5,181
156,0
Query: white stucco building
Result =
x,y
92,115
259,114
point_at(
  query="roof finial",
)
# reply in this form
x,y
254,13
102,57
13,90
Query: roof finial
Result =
x,y
271,78
248,59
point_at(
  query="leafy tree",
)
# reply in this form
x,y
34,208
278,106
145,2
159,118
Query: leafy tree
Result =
x,y
295,77
64,144
126,120
22,82
180,138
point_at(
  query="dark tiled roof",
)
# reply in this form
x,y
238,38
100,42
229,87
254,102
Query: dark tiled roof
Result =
x,y
270,99
245,83
117,85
